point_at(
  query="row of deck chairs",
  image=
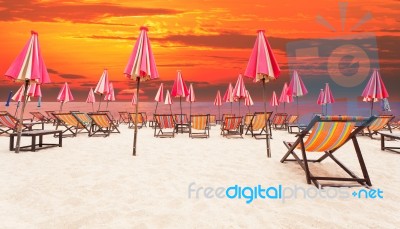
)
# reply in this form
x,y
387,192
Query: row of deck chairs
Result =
x,y
166,125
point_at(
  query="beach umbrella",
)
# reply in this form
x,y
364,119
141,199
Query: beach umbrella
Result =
x,y
385,105
134,99
191,98
64,95
375,89
110,96
168,100
285,97
8,99
218,103
19,97
179,89
328,97
28,67
103,86
263,67
34,90
320,100
274,101
248,101
91,98
297,88
141,67
228,96
239,91
159,96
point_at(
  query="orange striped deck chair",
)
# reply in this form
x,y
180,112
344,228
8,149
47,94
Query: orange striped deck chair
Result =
x,y
144,115
181,122
327,134
83,118
257,123
110,115
165,126
279,121
132,118
199,126
231,126
123,117
9,124
71,124
247,119
212,120
379,124
102,125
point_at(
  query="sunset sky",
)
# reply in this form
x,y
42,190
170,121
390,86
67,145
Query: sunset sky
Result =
x,y
210,41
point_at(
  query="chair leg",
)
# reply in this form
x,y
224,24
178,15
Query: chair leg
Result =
x,y
361,160
303,152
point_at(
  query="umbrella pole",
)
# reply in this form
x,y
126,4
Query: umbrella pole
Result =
x,y
284,107
248,107
266,124
231,108
136,116
239,107
297,101
219,113
62,103
180,104
99,103
372,106
16,109
21,118
190,110
155,112
170,108
326,109
322,106
92,108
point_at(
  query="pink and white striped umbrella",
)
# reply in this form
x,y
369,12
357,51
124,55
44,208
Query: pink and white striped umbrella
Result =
x,y
141,67
179,89
103,86
228,96
262,66
159,96
320,100
297,88
134,99
375,89
191,98
28,67
274,101
110,96
218,103
285,97
328,97
91,98
64,95
19,95
248,101
168,100
34,90
239,91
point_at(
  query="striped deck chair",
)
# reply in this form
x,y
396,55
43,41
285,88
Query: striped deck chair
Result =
x,y
71,123
327,135
199,126
232,127
115,121
132,116
165,124
292,121
144,115
257,123
51,117
379,124
38,116
212,120
181,122
102,125
279,121
247,120
123,117
9,124
83,118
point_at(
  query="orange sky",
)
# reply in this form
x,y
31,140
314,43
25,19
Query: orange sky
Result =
x,y
210,41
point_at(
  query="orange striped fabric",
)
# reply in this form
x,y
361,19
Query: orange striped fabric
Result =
x,y
199,122
232,123
379,123
259,121
247,119
292,119
69,119
139,118
213,119
165,121
279,119
181,119
101,120
328,136
8,121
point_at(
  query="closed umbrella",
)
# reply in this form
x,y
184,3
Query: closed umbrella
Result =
x,y
218,103
168,100
328,97
274,101
191,98
18,97
179,89
239,91
64,95
134,99
248,101
297,88
228,96
141,67
159,96
285,97
375,89
91,98
103,86
110,95
320,100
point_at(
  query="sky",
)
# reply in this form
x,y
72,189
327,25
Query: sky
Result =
x,y
209,41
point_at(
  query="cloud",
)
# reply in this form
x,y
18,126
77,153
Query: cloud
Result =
x,y
71,76
72,11
52,71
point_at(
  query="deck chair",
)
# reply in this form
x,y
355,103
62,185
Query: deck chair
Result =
x,y
38,116
231,127
164,126
279,121
379,124
212,120
72,124
328,134
181,122
247,120
292,121
257,123
140,121
102,125
199,126
109,114
123,117
144,116
9,124
83,118
51,117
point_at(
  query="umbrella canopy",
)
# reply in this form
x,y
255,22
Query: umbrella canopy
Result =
x,y
134,99
218,103
65,94
239,91
34,90
19,95
285,97
91,98
228,96
262,66
328,97
320,100
160,94
274,101
191,97
28,67
110,95
179,88
248,101
141,67
375,88
168,99
297,88
103,86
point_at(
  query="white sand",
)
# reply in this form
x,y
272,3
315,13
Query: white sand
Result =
x,y
96,183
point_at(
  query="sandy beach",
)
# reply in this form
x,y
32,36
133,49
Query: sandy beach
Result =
x,y
96,183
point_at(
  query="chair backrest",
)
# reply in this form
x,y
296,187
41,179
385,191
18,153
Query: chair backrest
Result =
x,y
212,119
227,115
37,115
68,118
50,114
292,119
380,122
279,118
165,121
247,119
83,118
109,114
101,119
8,120
132,117
199,122
144,116
259,120
232,123
181,118
328,133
